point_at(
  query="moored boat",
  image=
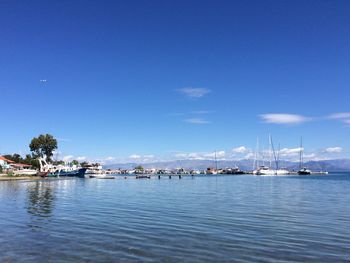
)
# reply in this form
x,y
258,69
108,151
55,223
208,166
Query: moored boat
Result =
x,y
60,170
143,177
304,171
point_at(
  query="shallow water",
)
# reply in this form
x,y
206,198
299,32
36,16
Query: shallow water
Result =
x,y
204,219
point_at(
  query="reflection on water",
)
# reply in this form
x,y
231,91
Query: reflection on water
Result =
x,y
40,199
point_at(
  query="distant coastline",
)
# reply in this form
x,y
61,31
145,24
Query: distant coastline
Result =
x,y
334,165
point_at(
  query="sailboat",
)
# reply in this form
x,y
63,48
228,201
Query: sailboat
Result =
x,y
302,170
267,170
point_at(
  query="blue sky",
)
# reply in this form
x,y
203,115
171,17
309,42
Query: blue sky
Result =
x,y
146,80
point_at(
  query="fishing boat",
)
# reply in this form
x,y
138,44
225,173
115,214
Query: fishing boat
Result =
x,y
60,170
73,173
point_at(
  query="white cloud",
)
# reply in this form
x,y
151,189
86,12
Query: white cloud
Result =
x,y
197,121
68,158
81,158
290,151
249,155
283,118
219,154
310,156
181,155
135,156
194,92
201,155
148,156
340,115
193,156
240,149
334,150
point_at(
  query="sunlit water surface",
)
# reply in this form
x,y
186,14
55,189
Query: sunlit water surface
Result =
x,y
201,219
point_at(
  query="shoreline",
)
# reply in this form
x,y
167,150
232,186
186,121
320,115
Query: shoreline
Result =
x,y
18,178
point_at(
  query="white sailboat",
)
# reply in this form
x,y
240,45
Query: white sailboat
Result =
x,y
268,170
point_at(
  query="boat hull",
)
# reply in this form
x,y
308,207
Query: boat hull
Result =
x,y
76,173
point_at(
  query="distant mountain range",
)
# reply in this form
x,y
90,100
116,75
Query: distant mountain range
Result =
x,y
246,164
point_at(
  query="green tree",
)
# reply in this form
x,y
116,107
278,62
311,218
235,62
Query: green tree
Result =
x,y
43,145
83,164
139,167
58,162
75,162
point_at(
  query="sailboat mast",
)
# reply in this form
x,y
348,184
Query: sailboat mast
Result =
x,y
256,160
257,153
301,153
274,153
278,153
270,152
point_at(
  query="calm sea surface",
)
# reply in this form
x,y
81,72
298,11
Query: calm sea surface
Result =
x,y
205,219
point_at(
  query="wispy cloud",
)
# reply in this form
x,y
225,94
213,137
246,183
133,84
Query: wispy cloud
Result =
x,y
197,121
201,155
288,152
283,118
194,92
342,116
135,156
81,158
334,150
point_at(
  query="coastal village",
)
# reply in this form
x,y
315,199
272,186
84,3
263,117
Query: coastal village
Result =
x,y
40,165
